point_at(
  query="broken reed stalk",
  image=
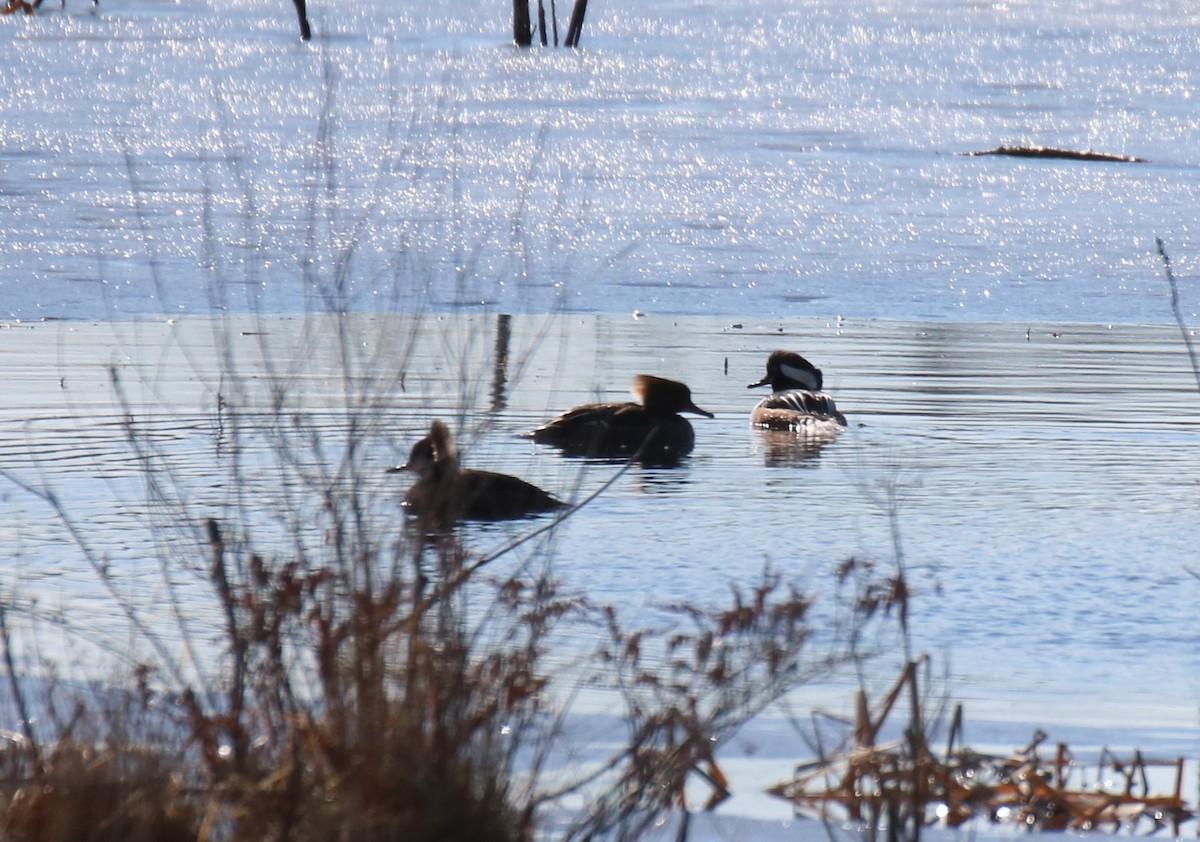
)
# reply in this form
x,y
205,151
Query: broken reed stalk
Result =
x,y
869,780
302,14
1183,330
918,750
522,26
237,643
575,26
499,392
18,695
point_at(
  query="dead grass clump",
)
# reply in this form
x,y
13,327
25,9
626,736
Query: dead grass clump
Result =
x,y
687,687
81,791
383,712
393,790
425,705
905,785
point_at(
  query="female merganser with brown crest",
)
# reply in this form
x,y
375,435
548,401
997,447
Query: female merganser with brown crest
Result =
x,y
796,401
652,431
444,493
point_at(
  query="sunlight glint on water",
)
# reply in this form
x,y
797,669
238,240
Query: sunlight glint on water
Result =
x,y
753,158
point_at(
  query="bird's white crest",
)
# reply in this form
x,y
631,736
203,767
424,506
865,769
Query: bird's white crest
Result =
x,y
800,375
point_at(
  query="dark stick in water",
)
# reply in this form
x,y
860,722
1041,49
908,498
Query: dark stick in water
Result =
x,y
1187,339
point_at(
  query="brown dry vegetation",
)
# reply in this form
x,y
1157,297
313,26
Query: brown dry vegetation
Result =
x,y
393,723
426,704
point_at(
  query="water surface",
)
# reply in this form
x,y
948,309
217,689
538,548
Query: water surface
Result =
x,y
1042,479
745,176
755,158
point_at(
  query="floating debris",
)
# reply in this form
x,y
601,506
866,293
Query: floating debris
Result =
x,y
1059,154
903,780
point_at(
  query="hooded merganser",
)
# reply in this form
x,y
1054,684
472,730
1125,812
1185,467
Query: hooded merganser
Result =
x,y
444,493
652,431
796,401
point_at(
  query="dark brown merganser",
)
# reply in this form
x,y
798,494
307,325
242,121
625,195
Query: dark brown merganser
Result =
x,y
651,431
796,401
445,493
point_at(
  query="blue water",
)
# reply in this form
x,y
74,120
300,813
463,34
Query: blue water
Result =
x,y
1041,481
755,158
738,176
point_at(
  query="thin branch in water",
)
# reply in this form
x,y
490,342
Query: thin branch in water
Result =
x,y
18,695
1183,329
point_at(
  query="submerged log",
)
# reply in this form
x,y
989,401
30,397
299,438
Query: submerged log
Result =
x,y
1058,154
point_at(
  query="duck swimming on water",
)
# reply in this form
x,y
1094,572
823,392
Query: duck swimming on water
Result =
x,y
796,401
651,431
445,493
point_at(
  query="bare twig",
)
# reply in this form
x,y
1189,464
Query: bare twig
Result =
x,y
1175,308
14,685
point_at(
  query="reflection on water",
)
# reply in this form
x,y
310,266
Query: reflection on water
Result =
x,y
1045,485
791,448
500,362
659,482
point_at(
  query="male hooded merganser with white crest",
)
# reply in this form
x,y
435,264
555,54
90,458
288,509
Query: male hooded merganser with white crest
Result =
x,y
652,431
445,493
796,401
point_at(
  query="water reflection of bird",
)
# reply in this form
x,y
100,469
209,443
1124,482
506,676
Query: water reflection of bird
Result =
x,y
651,431
445,493
796,401
790,448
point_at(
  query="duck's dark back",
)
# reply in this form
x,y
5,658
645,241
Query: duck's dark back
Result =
x,y
492,496
619,431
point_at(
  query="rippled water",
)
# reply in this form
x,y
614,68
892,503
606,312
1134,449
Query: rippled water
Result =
x,y
1043,480
743,176
754,158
